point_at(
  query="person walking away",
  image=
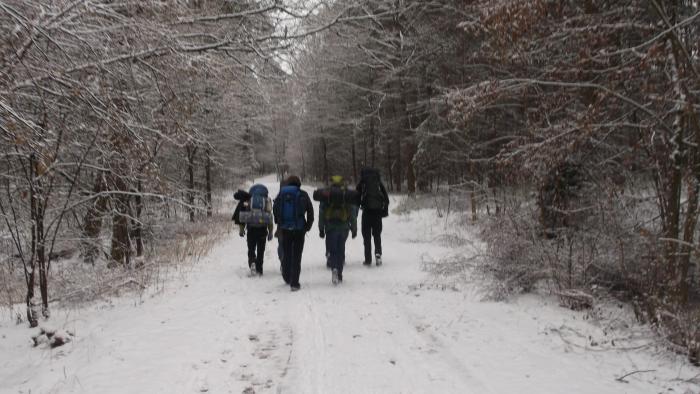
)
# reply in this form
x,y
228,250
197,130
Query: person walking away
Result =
x,y
374,202
335,219
256,217
294,215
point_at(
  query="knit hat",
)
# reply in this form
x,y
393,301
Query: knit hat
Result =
x,y
337,180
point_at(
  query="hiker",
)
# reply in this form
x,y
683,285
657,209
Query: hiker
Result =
x,y
294,215
254,214
374,202
337,217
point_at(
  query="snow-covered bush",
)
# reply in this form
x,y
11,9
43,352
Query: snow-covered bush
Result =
x,y
605,248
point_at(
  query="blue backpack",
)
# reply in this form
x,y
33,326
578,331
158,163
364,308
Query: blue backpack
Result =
x,y
258,197
291,211
257,214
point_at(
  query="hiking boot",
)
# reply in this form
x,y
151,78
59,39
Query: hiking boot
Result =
x,y
378,259
367,263
295,287
334,276
340,277
253,272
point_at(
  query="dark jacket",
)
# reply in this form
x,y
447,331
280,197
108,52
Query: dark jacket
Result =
x,y
305,202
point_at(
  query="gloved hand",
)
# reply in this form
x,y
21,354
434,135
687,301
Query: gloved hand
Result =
x,y
269,235
242,232
321,233
354,234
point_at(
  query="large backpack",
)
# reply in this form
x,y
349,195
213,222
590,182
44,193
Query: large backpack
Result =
x,y
291,211
336,209
372,196
258,213
258,197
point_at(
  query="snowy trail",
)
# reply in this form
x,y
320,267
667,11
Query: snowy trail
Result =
x,y
221,331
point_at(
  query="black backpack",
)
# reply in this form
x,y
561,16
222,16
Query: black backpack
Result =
x,y
372,196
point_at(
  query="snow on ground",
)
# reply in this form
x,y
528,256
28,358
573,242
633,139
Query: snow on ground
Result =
x,y
382,331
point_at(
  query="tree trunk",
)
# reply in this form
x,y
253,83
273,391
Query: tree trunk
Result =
x,y
191,154
207,170
121,244
472,199
410,170
325,160
354,159
388,167
92,225
138,225
30,265
399,164
682,286
41,256
373,142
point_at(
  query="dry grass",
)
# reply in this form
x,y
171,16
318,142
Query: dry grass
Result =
x,y
171,251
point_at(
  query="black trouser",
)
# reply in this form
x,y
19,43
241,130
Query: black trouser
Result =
x,y
335,241
257,236
372,228
293,247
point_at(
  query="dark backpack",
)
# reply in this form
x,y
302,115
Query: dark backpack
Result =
x,y
372,196
337,209
291,211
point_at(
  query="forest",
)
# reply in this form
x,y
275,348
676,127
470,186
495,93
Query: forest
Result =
x,y
568,131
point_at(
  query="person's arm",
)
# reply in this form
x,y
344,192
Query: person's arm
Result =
x,y
309,212
385,195
276,210
321,219
385,211
353,220
236,213
360,189
270,226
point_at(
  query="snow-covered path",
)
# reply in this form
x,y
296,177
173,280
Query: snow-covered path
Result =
x,y
381,331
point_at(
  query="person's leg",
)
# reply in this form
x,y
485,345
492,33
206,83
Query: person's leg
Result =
x,y
288,244
377,234
342,238
332,245
262,239
252,243
332,250
280,248
297,250
367,236
328,252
